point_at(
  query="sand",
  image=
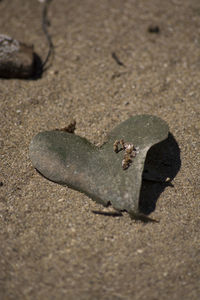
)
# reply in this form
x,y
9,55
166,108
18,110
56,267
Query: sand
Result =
x,y
52,244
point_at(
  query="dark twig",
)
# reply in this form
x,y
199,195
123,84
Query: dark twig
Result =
x,y
45,23
116,58
108,213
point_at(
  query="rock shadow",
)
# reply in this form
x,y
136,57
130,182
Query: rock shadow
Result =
x,y
37,67
162,162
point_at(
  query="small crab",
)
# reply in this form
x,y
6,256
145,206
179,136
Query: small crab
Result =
x,y
127,160
130,152
70,128
117,143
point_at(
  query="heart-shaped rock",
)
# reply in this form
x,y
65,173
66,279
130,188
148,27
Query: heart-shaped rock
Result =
x,y
71,160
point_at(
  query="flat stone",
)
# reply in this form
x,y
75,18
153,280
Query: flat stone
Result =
x,y
16,58
71,160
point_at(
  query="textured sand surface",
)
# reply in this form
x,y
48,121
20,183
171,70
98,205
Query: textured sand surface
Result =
x,y
52,246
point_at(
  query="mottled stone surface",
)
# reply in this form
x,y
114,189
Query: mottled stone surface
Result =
x,y
73,161
16,58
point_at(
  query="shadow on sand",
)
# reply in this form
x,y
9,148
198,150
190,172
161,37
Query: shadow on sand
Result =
x,y
164,160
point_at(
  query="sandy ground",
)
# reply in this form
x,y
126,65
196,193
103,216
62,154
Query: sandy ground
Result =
x,y
52,246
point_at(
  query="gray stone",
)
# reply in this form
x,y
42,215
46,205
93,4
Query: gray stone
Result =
x,y
16,59
71,160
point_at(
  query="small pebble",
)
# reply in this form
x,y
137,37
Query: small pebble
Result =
x,y
16,58
153,29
